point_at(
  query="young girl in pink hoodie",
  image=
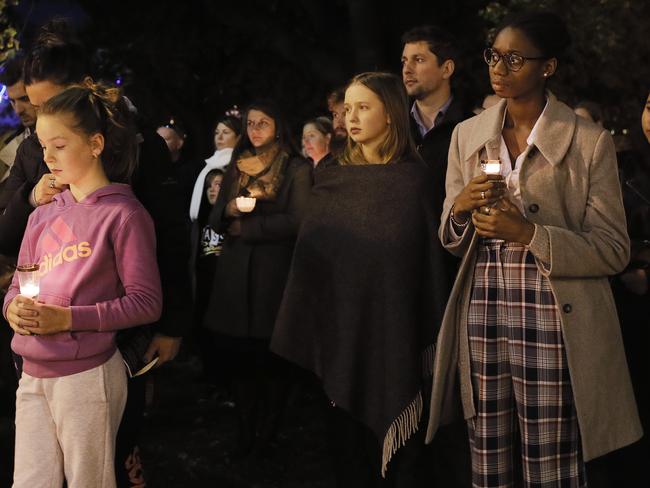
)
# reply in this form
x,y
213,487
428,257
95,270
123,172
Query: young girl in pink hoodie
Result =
x,y
96,251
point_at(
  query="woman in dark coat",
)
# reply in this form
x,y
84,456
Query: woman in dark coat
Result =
x,y
254,263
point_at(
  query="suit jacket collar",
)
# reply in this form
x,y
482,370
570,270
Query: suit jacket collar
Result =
x,y
555,131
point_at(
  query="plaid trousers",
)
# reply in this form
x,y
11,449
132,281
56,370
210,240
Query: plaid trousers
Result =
x,y
526,431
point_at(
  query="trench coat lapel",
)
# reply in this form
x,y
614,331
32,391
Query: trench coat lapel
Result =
x,y
554,133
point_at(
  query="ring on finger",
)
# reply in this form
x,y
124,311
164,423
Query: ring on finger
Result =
x,y
52,183
483,195
486,210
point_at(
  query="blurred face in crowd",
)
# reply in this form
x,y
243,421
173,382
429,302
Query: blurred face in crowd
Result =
x,y
421,73
224,137
260,128
315,143
41,91
529,80
21,105
584,113
645,119
490,101
213,187
365,116
338,120
172,138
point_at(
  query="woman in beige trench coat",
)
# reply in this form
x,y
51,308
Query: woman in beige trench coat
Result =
x,y
530,330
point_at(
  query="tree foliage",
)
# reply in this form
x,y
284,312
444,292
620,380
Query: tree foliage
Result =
x,y
8,33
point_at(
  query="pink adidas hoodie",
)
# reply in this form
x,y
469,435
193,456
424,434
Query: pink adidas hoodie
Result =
x,y
99,257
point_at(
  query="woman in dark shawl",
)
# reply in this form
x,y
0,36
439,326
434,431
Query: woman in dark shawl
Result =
x,y
368,286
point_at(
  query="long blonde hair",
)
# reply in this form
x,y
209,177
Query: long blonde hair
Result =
x,y
398,143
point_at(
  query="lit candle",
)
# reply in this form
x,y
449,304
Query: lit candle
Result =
x,y
29,290
29,279
245,204
491,166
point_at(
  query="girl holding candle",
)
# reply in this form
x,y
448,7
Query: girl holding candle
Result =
x,y
96,246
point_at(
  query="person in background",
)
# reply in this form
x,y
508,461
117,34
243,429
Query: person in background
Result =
x,y
316,138
430,58
365,296
335,102
488,101
226,133
73,387
253,266
11,76
590,111
185,170
631,293
207,245
531,330
56,61
226,136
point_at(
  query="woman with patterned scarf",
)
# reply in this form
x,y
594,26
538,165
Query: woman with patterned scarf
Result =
x,y
253,267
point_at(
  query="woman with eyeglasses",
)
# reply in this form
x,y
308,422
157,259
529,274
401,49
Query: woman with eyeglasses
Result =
x,y
530,329
260,205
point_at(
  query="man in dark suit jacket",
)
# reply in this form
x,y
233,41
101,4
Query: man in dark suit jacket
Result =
x,y
429,60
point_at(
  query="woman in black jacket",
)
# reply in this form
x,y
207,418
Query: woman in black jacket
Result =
x,y
254,263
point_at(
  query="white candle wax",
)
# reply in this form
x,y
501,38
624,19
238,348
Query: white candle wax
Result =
x,y
492,168
245,204
29,290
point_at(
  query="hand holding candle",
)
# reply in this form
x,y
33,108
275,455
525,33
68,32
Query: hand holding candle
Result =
x,y
482,191
29,279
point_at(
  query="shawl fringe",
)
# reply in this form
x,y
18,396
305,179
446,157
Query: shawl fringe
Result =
x,y
407,424
401,430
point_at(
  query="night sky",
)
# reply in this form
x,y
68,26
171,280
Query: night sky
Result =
x,y
194,59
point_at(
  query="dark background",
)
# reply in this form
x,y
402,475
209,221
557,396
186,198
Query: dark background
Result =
x,y
194,59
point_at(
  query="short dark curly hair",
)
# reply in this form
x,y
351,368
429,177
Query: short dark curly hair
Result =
x,y
441,43
11,71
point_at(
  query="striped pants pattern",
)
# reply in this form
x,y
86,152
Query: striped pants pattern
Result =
x,y
526,431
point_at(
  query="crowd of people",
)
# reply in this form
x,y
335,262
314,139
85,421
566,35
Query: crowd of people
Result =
x,y
468,286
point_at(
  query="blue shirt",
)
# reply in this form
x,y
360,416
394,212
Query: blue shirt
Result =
x,y
436,121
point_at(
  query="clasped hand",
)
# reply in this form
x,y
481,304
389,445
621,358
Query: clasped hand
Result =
x,y
29,317
46,188
503,220
493,215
